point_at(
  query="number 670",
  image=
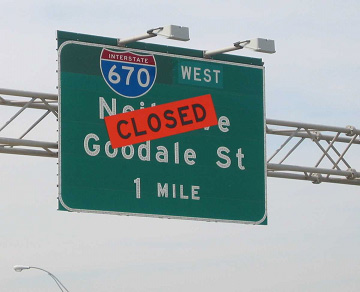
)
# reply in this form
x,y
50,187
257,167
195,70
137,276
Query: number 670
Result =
x,y
115,78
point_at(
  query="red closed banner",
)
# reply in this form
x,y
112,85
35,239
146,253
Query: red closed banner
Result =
x,y
161,121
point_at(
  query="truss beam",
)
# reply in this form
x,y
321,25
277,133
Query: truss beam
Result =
x,y
283,167
347,130
333,142
34,105
313,179
31,94
30,152
29,143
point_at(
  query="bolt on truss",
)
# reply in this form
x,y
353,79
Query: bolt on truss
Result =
x,y
332,143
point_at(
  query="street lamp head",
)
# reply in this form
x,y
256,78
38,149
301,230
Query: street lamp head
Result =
x,y
261,45
19,268
173,32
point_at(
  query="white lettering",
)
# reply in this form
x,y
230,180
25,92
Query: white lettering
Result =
x,y
125,155
189,154
207,77
143,152
162,154
224,121
130,71
240,156
107,150
197,73
186,72
103,105
147,77
145,147
220,151
95,147
163,191
128,108
216,75
176,149
194,192
182,196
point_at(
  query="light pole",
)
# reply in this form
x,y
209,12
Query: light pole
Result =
x,y
19,268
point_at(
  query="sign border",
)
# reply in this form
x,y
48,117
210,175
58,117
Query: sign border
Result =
x,y
156,215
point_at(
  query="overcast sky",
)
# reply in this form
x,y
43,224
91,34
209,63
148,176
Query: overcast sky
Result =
x,y
312,239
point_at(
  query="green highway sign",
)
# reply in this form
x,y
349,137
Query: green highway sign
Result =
x,y
215,173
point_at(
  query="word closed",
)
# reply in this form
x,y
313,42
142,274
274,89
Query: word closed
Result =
x,y
161,121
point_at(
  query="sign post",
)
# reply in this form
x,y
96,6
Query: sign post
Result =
x,y
158,159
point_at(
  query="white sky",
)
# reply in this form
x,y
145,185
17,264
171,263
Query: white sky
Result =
x,y
313,237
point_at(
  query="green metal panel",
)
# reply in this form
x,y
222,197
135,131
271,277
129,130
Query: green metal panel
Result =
x,y
226,180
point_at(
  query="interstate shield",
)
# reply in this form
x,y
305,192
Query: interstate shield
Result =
x,y
128,74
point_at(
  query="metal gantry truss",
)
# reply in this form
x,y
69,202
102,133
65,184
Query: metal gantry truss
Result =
x,y
25,100
332,143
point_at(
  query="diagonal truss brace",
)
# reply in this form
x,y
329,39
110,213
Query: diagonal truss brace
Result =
x,y
324,138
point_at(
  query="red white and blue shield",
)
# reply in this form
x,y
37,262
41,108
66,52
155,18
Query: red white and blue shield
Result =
x,y
128,74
